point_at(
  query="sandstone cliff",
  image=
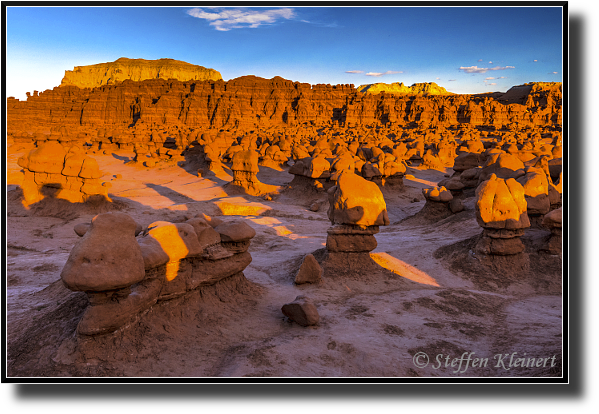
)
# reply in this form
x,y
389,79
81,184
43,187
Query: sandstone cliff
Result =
x,y
429,88
252,103
136,70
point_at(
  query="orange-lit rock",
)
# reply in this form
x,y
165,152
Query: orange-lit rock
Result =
x,y
357,201
501,204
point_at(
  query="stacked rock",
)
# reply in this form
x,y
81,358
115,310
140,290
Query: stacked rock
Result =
x,y
553,221
384,169
124,276
245,167
75,176
356,210
313,172
440,202
501,212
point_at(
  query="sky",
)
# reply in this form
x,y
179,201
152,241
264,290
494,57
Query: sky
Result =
x,y
464,49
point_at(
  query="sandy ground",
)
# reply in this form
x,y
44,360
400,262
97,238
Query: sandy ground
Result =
x,y
433,298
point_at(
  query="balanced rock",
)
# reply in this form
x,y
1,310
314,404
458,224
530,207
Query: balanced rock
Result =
x,y
501,211
553,221
357,201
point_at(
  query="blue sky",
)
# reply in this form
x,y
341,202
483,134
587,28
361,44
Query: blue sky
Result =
x,y
464,49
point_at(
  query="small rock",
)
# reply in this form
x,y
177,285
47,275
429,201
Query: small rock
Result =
x,y
82,228
315,206
118,176
302,311
415,200
456,205
235,231
309,272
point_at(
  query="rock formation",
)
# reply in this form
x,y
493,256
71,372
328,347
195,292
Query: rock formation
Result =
x,y
302,311
124,276
501,212
309,272
250,102
136,70
72,175
245,168
356,210
553,222
430,88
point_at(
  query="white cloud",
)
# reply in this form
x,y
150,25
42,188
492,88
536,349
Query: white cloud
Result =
x,y
438,78
226,19
476,69
480,60
490,62
489,78
492,83
534,60
389,72
354,71
553,73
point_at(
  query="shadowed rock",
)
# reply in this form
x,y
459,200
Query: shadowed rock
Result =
x,y
302,311
309,272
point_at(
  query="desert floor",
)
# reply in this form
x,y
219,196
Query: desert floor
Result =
x,y
432,295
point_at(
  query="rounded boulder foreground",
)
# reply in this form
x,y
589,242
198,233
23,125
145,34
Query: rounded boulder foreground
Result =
x,y
107,257
302,311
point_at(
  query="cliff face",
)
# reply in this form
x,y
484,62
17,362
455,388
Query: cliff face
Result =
x,y
137,70
252,103
430,88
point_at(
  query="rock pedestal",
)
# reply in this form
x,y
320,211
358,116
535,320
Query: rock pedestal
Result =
x,y
553,221
501,212
357,209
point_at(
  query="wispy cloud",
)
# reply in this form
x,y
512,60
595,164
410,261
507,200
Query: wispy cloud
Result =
x,y
489,78
389,72
492,83
480,60
553,73
535,60
354,71
451,80
476,69
227,19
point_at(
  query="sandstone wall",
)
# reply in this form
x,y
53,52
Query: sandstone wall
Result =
x,y
250,102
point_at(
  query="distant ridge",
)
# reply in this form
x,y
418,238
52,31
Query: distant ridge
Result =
x,y
122,69
427,88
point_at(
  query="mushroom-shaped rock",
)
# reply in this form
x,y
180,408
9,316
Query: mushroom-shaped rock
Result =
x,y
357,201
47,158
503,166
553,219
536,190
246,161
318,168
235,231
501,204
439,194
107,257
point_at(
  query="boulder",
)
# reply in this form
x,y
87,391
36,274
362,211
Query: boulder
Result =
x,y
356,201
302,311
107,257
309,272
